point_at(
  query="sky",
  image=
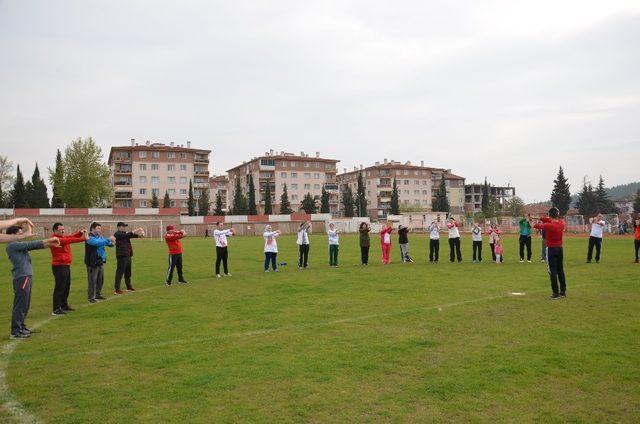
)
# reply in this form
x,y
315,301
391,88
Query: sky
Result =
x,y
508,90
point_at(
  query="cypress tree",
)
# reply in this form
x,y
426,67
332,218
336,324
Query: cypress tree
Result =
x,y
636,203
218,209
38,196
394,205
309,204
268,206
361,197
324,201
486,199
285,206
441,203
19,198
191,202
560,195
603,203
347,202
252,208
154,199
166,203
239,200
56,178
587,202
203,202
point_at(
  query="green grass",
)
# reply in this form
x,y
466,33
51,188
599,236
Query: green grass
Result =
x,y
400,343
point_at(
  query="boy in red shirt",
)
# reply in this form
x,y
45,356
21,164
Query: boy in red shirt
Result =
x,y
636,236
172,238
554,228
61,259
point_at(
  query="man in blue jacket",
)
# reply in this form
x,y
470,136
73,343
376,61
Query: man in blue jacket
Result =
x,y
95,257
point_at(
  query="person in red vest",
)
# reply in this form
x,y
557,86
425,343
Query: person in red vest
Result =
x,y
172,238
61,259
554,228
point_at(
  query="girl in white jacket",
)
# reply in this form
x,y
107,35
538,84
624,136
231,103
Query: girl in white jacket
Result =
x,y
270,248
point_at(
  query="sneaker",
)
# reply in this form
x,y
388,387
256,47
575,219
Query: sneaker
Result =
x,y
67,308
100,297
529,260
168,283
276,270
92,301
19,336
25,330
554,296
521,261
563,294
218,276
474,261
118,292
58,312
130,289
266,270
588,262
227,275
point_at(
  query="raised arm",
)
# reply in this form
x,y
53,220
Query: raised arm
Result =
x,y
15,221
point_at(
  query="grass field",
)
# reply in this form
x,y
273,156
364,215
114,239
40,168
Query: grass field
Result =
x,y
401,343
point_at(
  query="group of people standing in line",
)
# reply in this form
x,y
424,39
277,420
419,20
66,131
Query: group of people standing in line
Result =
x,y
551,229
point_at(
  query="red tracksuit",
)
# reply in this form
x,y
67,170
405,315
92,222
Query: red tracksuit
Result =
x,y
386,247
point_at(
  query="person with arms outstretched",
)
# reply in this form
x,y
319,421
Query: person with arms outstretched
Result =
x,y
554,228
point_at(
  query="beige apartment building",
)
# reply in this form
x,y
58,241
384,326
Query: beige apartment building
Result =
x,y
417,186
139,170
218,184
301,173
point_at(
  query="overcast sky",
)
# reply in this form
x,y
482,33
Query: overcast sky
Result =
x,y
504,89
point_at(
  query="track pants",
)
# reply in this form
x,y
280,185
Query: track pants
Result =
x,y
386,251
21,302
95,280
123,269
364,254
636,244
477,248
454,249
222,255
333,254
597,242
404,252
270,258
525,241
434,250
62,277
175,262
556,269
303,255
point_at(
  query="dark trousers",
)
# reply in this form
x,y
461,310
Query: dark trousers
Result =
x,y
597,242
270,258
434,250
95,280
62,277
477,247
303,255
636,244
556,269
364,254
222,255
454,244
525,241
175,262
333,255
21,302
123,268
493,253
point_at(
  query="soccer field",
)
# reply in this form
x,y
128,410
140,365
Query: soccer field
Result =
x,y
406,342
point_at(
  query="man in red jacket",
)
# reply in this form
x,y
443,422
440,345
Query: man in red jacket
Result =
x,y
554,228
172,238
61,267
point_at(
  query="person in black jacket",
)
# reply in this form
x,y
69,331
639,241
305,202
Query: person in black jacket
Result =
x,y
124,253
403,241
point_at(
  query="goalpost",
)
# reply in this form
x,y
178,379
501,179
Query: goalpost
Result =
x,y
153,228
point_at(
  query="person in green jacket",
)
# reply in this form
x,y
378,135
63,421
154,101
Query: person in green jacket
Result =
x,y
525,237
365,243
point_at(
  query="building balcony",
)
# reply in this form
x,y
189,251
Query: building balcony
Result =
x,y
331,186
118,159
123,195
122,171
201,171
200,185
122,183
200,159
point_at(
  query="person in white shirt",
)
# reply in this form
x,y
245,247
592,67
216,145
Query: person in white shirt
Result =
x,y
303,245
220,236
434,241
270,248
476,237
454,240
595,238
334,241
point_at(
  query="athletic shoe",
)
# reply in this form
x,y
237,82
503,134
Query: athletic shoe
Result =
x,y
521,261
118,292
92,301
563,294
474,261
588,262
276,270
299,268
168,283
218,276
227,275
101,297
58,312
19,336
131,289
554,296
266,270
67,308
25,330
529,260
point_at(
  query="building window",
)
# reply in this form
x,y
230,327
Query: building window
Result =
x,y
416,192
172,203
155,155
183,180
316,176
155,180
143,203
143,191
183,167
267,162
283,175
171,180
416,182
307,186
183,191
183,155
171,155
294,186
406,201
284,163
406,192
307,175
406,172
142,154
143,166
317,164
155,166
293,164
171,167
183,204
425,192
294,174
316,186
294,197
171,191
406,182
306,164
143,179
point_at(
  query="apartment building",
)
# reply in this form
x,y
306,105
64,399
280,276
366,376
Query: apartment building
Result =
x,y
473,196
417,185
140,170
218,185
301,173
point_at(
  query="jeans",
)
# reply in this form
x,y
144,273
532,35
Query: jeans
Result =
x,y
303,255
556,269
270,258
454,245
597,242
434,249
333,255
525,241
477,247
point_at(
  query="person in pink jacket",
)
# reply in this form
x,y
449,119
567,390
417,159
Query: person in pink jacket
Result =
x,y
494,235
385,243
